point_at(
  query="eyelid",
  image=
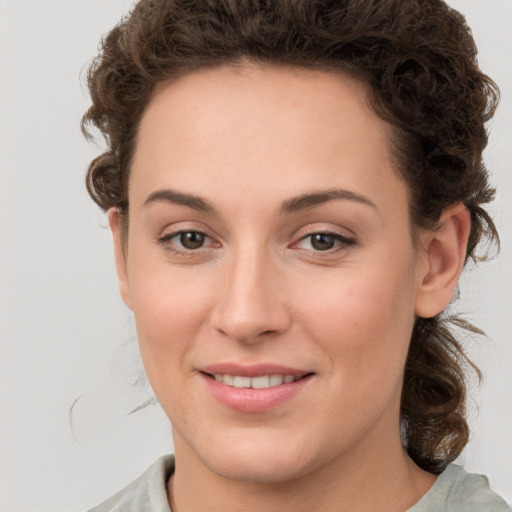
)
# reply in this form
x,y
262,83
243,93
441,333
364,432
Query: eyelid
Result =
x,y
164,240
319,226
344,241
185,226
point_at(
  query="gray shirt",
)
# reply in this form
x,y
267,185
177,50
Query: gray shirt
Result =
x,y
454,491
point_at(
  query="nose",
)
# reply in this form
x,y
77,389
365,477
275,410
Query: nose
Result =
x,y
251,304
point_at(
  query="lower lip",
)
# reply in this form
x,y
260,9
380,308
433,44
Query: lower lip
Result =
x,y
254,400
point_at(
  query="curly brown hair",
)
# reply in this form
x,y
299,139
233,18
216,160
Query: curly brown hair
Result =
x,y
419,59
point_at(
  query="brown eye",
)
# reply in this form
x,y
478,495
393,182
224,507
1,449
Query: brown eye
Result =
x,y
322,241
192,239
325,242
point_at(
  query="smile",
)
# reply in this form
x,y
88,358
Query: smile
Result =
x,y
260,382
256,388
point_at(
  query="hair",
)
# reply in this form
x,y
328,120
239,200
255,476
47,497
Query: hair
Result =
x,y
419,60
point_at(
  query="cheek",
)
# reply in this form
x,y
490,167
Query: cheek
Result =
x,y
169,309
360,302
363,320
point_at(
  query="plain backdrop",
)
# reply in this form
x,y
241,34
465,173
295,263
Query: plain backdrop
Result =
x,y
68,352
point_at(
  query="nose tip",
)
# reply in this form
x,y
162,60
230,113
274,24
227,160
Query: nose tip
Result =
x,y
251,305
249,325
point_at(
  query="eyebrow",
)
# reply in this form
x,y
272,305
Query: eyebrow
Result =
x,y
293,205
310,200
180,198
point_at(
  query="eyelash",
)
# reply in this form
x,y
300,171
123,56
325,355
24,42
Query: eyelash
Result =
x,y
165,240
343,242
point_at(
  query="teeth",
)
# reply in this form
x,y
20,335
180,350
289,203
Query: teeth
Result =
x,y
276,380
242,382
261,382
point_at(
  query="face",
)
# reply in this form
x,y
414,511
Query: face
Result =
x,y
269,247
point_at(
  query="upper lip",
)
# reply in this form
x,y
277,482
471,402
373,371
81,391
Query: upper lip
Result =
x,y
255,370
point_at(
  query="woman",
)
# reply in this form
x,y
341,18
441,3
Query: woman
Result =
x,y
293,190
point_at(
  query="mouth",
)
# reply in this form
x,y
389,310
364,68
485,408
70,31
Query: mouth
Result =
x,y
255,388
256,382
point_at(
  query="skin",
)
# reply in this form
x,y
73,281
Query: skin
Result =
x,y
246,141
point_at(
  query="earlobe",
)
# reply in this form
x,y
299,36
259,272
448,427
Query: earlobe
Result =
x,y
118,237
443,256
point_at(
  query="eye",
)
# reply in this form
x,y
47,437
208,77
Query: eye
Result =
x,y
322,242
185,241
191,239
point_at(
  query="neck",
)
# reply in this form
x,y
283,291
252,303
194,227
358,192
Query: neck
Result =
x,y
381,478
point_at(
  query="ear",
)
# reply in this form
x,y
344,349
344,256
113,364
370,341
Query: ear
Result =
x,y
115,222
442,259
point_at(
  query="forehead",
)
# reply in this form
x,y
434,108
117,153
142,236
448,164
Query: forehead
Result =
x,y
236,100
258,127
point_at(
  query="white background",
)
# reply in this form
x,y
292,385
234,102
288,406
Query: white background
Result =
x,y
65,333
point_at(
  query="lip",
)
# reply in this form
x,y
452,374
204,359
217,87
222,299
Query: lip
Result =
x,y
249,400
255,370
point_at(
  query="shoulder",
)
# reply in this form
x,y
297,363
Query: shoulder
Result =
x,y
145,494
459,491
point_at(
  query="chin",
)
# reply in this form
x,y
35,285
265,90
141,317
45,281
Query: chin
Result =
x,y
255,457
258,469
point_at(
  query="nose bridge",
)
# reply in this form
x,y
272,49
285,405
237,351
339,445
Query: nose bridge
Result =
x,y
250,303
